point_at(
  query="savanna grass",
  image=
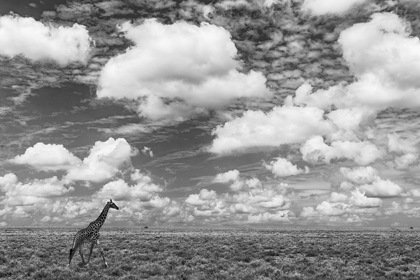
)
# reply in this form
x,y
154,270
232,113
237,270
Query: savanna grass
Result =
x,y
215,254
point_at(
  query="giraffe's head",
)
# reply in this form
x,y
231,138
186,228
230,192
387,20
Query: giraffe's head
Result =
x,y
112,205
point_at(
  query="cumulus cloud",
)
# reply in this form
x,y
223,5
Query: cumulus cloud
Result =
x,y
332,208
156,202
242,208
120,190
260,198
405,161
8,180
341,208
353,119
337,197
360,175
281,167
315,150
204,197
381,55
47,157
384,58
147,152
264,202
40,42
237,183
322,7
381,188
279,216
232,175
282,125
32,192
103,161
174,69
206,203
229,4
398,145
360,200
324,99
254,4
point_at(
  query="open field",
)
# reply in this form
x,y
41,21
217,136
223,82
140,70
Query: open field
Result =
x,y
42,253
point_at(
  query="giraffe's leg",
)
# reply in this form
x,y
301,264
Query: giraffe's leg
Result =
x,y
102,253
91,249
81,253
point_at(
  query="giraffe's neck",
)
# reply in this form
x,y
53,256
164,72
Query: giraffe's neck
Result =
x,y
102,217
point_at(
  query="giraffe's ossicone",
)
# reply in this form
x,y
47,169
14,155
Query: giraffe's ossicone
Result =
x,y
90,234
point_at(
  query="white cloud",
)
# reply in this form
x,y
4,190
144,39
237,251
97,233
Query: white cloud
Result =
x,y
120,190
175,69
332,208
8,180
323,99
337,197
237,184
360,175
156,202
395,208
352,119
147,151
232,175
47,157
203,198
363,153
281,167
398,145
244,185
254,4
322,7
261,198
253,183
262,201
40,42
405,161
229,4
242,208
381,188
139,177
360,200
308,212
282,125
385,59
205,204
103,161
279,216
32,192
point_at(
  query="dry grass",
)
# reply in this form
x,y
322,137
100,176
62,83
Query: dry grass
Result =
x,y
215,254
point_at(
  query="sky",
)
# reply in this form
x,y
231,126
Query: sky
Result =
x,y
231,113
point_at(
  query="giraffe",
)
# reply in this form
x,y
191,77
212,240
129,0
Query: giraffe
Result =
x,y
91,234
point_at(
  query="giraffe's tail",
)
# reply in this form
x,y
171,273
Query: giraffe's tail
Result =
x,y
70,255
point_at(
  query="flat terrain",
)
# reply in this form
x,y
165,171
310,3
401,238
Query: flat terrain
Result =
x,y
42,253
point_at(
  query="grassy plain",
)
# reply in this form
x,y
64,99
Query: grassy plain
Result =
x,y
42,253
